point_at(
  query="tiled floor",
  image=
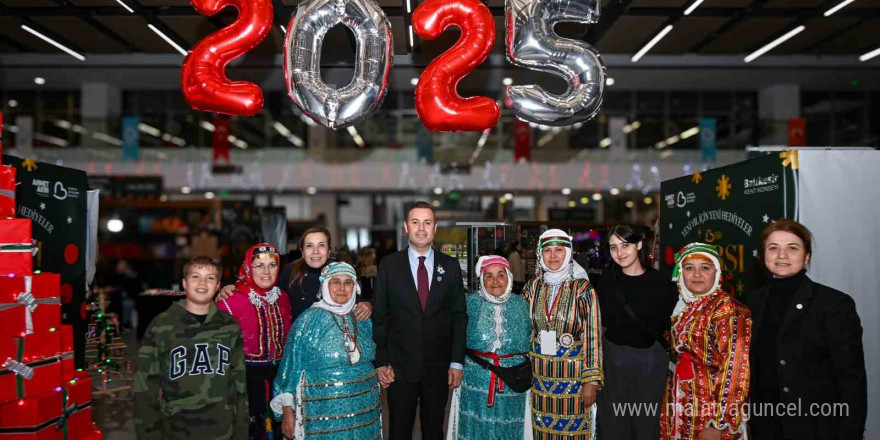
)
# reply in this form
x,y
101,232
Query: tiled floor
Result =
x,y
114,414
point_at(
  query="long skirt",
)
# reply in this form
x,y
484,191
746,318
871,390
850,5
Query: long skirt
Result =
x,y
635,380
557,410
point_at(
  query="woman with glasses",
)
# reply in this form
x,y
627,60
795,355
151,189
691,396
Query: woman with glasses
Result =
x,y
326,386
263,313
299,278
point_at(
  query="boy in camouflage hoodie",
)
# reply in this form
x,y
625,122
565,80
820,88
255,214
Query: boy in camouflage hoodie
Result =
x,y
190,381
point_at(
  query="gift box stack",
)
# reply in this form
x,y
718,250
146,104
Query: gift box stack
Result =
x,y
42,396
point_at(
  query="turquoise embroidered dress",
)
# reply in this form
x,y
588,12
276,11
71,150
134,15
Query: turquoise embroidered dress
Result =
x,y
334,399
501,329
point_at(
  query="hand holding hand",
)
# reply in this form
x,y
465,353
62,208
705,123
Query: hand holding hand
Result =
x,y
454,378
589,392
288,422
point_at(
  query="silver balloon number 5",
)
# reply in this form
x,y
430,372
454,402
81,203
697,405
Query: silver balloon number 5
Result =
x,y
532,43
338,108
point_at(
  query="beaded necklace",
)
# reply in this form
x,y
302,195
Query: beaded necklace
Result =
x,y
351,338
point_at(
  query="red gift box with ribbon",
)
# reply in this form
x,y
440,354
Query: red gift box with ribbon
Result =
x,y
64,413
33,418
78,407
30,365
67,366
16,247
29,303
7,191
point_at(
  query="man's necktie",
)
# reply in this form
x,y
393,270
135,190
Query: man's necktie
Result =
x,y
422,276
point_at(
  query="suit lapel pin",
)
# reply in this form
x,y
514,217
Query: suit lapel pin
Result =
x,y
440,270
439,279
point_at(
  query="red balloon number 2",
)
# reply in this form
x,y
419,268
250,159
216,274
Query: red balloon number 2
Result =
x,y
438,104
204,81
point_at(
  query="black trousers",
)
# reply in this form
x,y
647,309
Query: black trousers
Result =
x,y
259,389
429,396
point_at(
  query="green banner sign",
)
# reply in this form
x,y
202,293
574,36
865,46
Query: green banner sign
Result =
x,y
727,207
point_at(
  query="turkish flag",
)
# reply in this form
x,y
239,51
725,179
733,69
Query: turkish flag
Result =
x,y
221,138
522,141
797,132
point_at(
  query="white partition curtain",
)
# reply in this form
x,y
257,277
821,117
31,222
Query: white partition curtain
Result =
x,y
838,202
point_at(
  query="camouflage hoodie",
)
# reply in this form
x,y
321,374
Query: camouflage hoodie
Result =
x,y
190,379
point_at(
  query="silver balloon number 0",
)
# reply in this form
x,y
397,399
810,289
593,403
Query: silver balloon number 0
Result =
x,y
338,108
532,43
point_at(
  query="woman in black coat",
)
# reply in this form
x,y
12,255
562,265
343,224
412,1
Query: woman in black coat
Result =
x,y
807,351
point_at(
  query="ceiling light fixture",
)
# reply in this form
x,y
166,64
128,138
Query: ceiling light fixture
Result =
x,y
839,6
149,129
285,132
870,55
414,81
597,196
39,80
651,43
507,81
12,103
770,46
356,137
167,39
49,40
566,191
609,81
104,137
693,6
690,132
127,8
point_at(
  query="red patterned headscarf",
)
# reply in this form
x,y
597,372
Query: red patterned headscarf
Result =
x,y
245,282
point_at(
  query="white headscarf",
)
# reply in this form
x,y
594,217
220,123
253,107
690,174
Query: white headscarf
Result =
x,y
569,270
326,302
685,296
485,262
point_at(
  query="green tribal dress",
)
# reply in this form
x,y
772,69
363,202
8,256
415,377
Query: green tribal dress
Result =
x,y
571,310
331,385
483,408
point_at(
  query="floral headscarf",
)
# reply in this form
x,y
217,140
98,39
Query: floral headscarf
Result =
x,y
247,285
694,251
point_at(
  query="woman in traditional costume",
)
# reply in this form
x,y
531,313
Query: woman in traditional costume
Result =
x,y
299,278
711,332
498,333
263,313
566,351
327,387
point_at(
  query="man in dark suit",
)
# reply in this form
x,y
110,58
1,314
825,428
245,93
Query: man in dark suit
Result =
x,y
419,325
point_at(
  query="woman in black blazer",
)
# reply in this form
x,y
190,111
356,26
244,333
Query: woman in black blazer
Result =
x,y
807,353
